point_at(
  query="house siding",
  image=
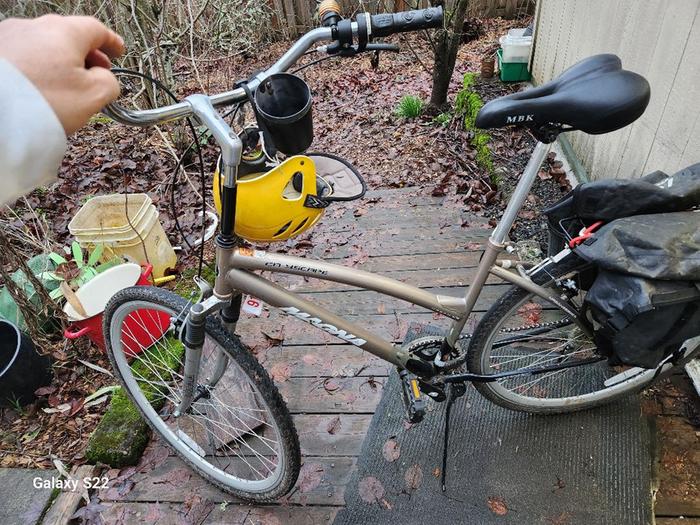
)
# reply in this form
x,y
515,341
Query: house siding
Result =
x,y
657,39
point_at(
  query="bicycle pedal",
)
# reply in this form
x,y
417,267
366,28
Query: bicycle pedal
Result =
x,y
413,398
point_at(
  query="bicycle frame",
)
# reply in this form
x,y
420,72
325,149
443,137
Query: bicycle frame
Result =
x,y
235,267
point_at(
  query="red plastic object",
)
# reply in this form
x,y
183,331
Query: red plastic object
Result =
x,y
138,333
588,232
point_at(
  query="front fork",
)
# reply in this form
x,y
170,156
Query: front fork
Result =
x,y
193,341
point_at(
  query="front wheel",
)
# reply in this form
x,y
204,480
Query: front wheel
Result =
x,y
237,433
521,330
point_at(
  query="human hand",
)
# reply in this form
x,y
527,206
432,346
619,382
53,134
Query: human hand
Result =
x,y
68,60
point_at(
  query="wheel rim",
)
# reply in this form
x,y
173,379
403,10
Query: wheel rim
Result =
x,y
517,341
229,433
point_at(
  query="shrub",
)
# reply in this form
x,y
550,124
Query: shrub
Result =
x,y
467,105
409,106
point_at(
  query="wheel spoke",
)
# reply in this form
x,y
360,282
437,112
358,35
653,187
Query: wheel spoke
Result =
x,y
229,432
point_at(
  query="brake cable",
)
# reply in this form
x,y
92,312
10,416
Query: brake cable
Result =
x,y
195,142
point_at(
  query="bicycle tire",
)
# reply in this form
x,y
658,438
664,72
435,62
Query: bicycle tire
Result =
x,y
152,299
492,324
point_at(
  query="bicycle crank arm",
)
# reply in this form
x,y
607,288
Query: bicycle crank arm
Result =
x,y
490,378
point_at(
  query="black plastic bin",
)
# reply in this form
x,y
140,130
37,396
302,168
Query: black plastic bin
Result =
x,y
283,104
22,369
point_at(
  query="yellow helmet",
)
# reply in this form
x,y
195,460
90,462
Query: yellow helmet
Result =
x,y
278,204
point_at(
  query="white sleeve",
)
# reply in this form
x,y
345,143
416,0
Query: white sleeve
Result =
x,y
32,139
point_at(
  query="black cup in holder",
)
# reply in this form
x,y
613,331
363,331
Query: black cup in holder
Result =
x,y
284,106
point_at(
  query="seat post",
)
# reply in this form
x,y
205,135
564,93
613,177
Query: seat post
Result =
x,y
500,233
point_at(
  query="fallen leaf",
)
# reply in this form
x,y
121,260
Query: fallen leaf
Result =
x,y
75,406
331,385
275,340
531,312
197,509
310,477
118,490
176,477
45,390
281,372
437,472
413,477
333,425
310,359
370,489
528,215
497,506
391,450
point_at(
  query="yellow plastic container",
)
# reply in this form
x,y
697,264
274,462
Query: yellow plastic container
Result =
x,y
129,226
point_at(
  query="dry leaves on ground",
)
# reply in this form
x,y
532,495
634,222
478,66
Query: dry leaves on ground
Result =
x,y
391,450
497,505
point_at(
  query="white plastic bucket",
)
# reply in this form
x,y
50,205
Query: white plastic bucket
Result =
x,y
515,48
129,226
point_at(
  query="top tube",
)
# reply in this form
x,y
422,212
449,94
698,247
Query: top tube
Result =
x,y
150,117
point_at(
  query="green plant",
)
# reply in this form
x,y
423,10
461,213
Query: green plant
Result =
x,y
467,105
409,106
77,271
443,119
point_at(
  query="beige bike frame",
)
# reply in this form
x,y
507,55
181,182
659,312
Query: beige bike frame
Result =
x,y
235,267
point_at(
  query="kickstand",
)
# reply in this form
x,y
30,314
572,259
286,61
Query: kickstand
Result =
x,y
454,391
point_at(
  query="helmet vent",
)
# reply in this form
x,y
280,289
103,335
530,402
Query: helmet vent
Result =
x,y
301,225
283,229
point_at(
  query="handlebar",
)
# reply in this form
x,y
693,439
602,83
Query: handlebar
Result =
x,y
389,23
365,28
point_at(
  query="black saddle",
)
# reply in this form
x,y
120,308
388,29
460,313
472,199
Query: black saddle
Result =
x,y
594,95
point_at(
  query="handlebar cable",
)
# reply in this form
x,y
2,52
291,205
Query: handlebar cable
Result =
x,y
173,183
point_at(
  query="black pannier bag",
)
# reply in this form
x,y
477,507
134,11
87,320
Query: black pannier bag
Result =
x,y
639,322
662,246
606,200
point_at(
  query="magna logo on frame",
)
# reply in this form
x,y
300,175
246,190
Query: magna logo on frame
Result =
x,y
318,323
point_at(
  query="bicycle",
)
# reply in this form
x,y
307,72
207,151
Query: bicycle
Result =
x,y
207,396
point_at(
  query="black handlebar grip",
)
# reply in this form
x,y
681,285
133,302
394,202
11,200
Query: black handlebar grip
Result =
x,y
390,23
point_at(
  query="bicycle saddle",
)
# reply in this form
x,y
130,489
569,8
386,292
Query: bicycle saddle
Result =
x,y
594,95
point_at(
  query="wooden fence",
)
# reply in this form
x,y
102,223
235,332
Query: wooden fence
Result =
x,y
294,17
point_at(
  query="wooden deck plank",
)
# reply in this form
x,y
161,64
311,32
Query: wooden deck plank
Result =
x,y
338,395
369,248
463,259
166,481
331,434
324,361
149,513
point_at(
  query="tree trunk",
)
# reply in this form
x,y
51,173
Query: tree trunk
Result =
x,y
445,51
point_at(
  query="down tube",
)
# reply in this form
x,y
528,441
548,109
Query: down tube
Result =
x,y
304,310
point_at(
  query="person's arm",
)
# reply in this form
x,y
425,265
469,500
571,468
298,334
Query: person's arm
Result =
x,y
54,74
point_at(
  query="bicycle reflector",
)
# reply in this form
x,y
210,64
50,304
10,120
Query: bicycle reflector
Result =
x,y
291,197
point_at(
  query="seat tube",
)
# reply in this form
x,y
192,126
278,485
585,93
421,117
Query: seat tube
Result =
x,y
496,241
500,234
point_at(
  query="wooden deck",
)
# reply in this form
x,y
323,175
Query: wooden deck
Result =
x,y
331,388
